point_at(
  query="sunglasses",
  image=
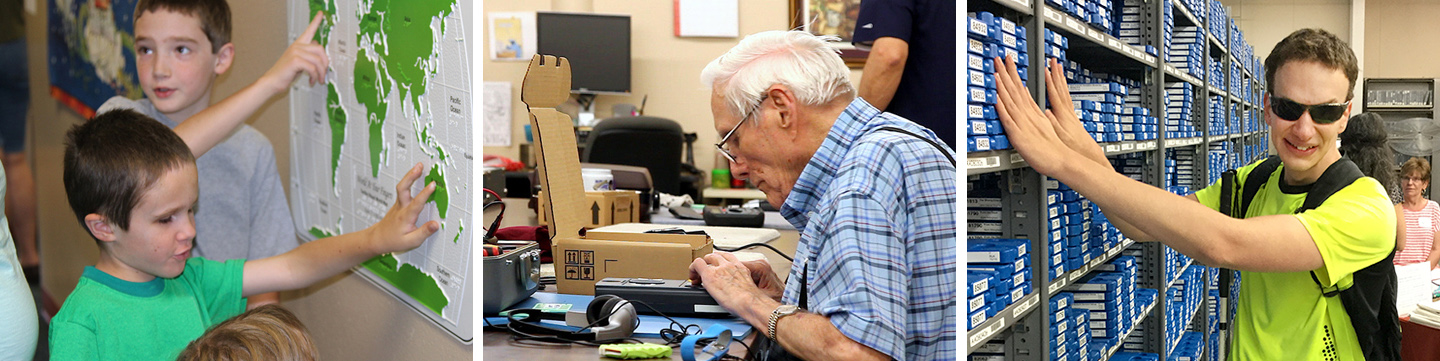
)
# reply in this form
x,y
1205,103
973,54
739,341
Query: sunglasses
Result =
x,y
1322,113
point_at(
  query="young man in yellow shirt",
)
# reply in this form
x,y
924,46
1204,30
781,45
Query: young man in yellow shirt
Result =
x,y
1282,313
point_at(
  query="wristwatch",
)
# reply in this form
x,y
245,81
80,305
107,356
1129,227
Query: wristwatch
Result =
x,y
782,311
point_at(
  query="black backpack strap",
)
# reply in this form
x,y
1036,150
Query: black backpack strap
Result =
x,y
1227,194
1370,300
1255,180
1338,176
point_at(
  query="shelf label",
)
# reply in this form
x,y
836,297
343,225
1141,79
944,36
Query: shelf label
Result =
x,y
984,334
1055,286
1079,273
983,162
1052,14
1112,148
1023,307
1127,146
1093,33
1147,145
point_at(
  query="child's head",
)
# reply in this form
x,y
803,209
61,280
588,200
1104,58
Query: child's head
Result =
x,y
180,46
132,184
265,333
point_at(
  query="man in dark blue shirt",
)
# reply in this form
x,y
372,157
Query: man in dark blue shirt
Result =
x,y
911,68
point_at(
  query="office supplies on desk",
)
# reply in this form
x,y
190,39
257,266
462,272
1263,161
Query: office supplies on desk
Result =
x,y
511,277
604,318
668,297
649,327
716,340
734,217
685,212
628,351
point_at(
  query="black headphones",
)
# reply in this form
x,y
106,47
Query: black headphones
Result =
x,y
607,317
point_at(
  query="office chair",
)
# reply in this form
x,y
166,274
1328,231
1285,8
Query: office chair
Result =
x,y
651,142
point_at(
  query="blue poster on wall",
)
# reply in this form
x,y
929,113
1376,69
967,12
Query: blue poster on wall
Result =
x,y
92,52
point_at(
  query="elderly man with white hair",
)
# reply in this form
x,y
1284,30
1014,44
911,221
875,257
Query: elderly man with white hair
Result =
x,y
872,194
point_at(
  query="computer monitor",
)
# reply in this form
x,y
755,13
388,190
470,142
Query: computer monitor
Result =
x,y
597,45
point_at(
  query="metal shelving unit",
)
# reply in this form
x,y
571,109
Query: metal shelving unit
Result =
x,y
1397,99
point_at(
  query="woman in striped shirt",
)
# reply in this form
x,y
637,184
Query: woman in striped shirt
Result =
x,y
1422,216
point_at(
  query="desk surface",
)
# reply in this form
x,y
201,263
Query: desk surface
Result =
x,y
498,345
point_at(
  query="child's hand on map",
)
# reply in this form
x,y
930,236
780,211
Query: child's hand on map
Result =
x,y
303,56
397,231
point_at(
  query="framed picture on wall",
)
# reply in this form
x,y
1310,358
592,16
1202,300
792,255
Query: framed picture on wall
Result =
x,y
834,18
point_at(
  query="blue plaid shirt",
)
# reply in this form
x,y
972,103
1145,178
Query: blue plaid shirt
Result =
x,y
876,215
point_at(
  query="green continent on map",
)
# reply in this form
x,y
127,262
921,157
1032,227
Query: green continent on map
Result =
x,y
459,231
429,141
328,6
336,114
371,88
441,197
399,33
320,233
411,40
410,280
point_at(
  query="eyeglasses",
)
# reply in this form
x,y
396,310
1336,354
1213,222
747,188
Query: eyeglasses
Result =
x,y
721,145
1322,113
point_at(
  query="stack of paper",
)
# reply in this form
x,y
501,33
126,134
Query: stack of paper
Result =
x,y
1414,286
1427,314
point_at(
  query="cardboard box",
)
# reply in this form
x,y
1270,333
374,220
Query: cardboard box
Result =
x,y
603,208
581,261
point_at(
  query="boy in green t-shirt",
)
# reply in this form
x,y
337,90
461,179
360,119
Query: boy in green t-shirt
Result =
x,y
132,184
181,47
1282,313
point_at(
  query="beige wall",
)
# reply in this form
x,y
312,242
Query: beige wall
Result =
x,y
350,318
1395,39
1400,38
665,67
1265,22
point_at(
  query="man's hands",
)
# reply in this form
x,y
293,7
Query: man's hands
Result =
x,y
735,283
1048,140
303,56
397,231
